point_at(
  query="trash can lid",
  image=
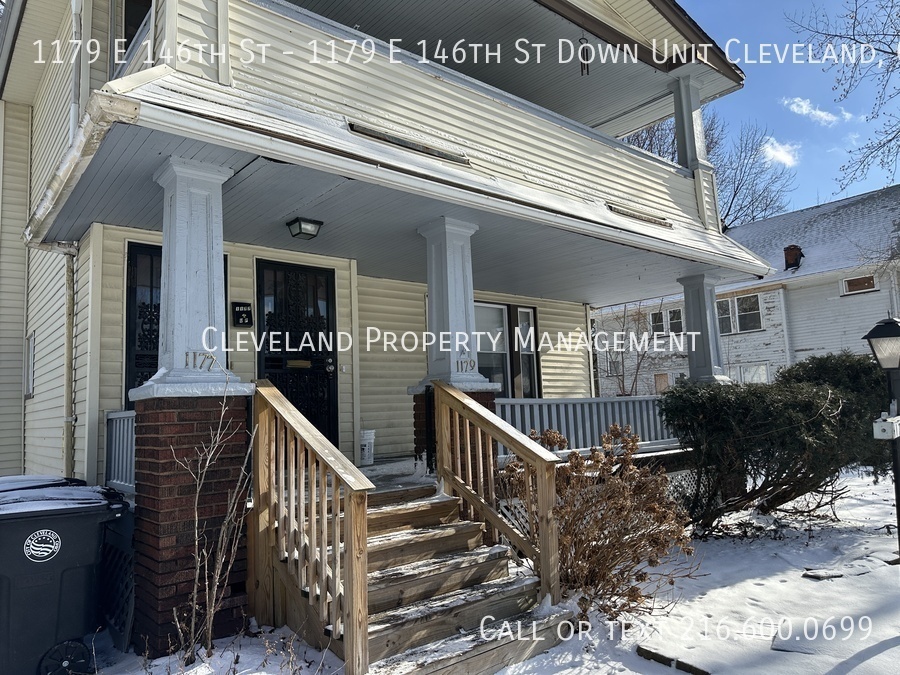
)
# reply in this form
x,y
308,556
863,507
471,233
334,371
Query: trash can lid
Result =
x,y
53,499
12,483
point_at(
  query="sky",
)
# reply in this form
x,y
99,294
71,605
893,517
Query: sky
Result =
x,y
810,131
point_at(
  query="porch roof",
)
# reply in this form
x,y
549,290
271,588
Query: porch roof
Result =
x,y
546,246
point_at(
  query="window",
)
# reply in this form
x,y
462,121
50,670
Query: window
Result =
x,y
133,15
670,321
613,364
28,373
661,382
676,322
508,361
858,285
723,311
739,315
749,373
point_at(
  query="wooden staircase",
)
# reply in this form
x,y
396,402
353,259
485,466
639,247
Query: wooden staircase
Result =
x,y
401,581
432,582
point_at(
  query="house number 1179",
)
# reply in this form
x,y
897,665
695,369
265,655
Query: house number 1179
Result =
x,y
465,365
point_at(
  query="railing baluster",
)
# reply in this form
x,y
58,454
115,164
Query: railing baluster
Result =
x,y
335,560
323,543
312,535
292,496
468,477
302,498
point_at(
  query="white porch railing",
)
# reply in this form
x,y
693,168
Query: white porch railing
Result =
x,y
120,450
584,420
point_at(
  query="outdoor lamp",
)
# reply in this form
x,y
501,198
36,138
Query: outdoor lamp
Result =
x,y
884,339
304,228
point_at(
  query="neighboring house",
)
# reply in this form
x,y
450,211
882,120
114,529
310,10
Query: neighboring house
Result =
x,y
837,276
259,167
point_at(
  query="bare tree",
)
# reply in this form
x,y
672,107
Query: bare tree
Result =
x,y
872,26
750,186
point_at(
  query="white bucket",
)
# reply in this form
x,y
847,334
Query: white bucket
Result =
x,y
366,447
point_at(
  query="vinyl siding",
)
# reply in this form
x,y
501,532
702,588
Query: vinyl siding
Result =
x,y
821,320
44,412
100,31
398,306
50,117
499,139
198,25
14,122
241,288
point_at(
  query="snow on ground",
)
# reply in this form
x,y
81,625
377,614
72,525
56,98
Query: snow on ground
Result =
x,y
727,620
729,616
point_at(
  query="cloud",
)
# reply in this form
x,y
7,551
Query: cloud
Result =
x,y
774,152
804,107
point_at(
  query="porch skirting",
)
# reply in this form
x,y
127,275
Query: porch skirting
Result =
x,y
166,429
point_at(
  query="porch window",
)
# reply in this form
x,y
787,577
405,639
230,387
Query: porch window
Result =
x,y
739,315
514,366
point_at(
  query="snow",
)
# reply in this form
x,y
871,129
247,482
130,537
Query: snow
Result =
x,y
749,609
51,498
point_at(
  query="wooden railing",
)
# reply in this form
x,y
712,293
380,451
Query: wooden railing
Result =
x,y
584,420
467,435
308,532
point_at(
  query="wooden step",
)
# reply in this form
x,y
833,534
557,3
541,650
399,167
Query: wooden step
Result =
x,y
394,549
402,495
436,510
403,628
398,586
478,652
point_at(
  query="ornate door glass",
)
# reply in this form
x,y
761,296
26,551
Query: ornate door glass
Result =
x,y
297,336
142,315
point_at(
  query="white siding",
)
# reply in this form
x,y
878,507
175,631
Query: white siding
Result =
x,y
44,412
767,346
821,320
14,125
50,118
100,32
499,139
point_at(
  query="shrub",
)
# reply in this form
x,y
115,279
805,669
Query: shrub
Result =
x,y
621,538
861,384
759,445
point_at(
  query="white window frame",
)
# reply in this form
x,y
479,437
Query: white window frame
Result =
x,y
733,315
28,367
666,320
876,287
614,366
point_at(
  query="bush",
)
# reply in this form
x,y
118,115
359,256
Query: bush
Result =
x,y
621,538
759,445
861,384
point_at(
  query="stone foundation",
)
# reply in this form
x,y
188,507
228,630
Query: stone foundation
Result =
x,y
164,512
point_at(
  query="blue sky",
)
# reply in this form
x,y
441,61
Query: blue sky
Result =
x,y
795,101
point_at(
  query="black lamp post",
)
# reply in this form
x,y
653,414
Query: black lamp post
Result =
x,y
884,340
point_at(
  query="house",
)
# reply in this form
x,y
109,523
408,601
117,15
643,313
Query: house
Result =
x,y
837,276
192,178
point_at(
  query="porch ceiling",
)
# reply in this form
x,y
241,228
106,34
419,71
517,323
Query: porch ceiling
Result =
x,y
373,224
616,98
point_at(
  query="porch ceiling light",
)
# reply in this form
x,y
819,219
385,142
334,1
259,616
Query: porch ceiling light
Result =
x,y
884,339
304,228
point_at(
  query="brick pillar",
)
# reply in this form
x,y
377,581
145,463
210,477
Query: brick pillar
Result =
x,y
164,512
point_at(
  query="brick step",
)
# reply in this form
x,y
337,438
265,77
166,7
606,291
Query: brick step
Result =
x,y
399,586
413,625
501,644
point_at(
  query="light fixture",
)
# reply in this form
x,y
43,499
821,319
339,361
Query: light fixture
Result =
x,y
884,339
304,228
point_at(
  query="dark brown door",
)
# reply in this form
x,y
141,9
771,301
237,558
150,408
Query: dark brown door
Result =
x,y
298,339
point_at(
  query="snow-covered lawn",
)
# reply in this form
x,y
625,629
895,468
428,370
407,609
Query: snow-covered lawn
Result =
x,y
749,610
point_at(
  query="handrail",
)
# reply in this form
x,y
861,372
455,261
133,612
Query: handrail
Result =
x,y
310,505
466,437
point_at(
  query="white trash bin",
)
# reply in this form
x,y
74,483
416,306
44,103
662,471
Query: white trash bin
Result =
x,y
366,447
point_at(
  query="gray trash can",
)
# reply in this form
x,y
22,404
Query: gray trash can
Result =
x,y
51,538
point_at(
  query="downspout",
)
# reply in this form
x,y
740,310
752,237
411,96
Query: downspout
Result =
x,y
69,250
75,103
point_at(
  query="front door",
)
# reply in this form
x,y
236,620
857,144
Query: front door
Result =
x,y
298,339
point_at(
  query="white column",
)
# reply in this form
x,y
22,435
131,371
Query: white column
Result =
x,y
451,306
689,138
192,293
704,354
